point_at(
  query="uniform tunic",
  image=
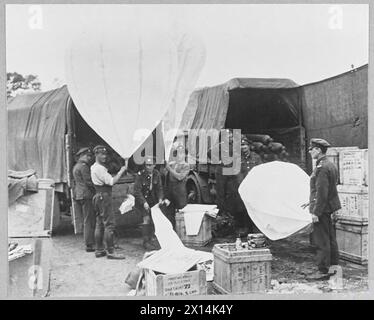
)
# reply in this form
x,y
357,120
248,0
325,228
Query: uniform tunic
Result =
x,y
324,201
225,182
147,188
176,184
83,192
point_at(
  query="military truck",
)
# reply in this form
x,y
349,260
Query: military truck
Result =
x,y
335,109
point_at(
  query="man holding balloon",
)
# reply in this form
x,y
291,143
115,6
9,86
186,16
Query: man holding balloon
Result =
x,y
102,202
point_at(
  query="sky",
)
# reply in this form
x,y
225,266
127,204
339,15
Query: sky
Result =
x,y
304,42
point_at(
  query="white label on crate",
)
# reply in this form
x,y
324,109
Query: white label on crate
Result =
x,y
353,167
180,285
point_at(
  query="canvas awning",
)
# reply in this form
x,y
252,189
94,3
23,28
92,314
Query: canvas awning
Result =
x,y
36,133
235,102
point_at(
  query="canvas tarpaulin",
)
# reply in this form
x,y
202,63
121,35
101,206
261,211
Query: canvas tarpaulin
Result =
x,y
252,105
208,107
336,109
36,133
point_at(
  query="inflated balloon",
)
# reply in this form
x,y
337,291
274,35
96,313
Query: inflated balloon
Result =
x,y
191,59
273,194
126,76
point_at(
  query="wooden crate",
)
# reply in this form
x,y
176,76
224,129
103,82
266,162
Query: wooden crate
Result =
x,y
354,201
201,239
333,155
35,213
241,271
352,238
180,284
353,167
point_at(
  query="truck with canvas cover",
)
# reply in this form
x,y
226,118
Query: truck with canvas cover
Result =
x,y
334,108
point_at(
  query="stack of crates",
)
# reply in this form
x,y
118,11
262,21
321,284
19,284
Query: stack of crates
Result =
x,y
352,225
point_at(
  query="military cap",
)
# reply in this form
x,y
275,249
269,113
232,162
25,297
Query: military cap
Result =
x,y
317,142
150,160
245,141
100,148
83,151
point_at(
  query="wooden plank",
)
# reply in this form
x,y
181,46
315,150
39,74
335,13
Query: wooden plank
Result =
x,y
22,283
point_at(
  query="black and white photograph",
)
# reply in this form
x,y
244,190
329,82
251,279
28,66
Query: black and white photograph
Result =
x,y
194,150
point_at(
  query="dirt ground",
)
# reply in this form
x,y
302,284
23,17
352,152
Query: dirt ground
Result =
x,y
76,273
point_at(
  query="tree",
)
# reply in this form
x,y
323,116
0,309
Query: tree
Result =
x,y
19,84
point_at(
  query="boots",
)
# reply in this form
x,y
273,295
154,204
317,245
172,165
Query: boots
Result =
x,y
147,238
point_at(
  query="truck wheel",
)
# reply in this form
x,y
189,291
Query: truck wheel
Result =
x,y
193,190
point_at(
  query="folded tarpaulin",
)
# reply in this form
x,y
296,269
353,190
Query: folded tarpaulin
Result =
x,y
18,187
36,133
273,194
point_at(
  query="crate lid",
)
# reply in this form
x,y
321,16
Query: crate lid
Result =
x,y
227,251
356,189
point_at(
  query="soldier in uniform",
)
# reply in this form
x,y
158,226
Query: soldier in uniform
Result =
x,y
176,190
249,159
225,183
148,192
84,191
323,203
102,201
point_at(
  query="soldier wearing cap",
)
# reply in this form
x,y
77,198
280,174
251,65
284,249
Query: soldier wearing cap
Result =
x,y
323,202
249,159
102,201
148,192
176,190
83,192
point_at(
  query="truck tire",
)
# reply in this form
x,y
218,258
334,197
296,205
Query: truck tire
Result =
x,y
193,190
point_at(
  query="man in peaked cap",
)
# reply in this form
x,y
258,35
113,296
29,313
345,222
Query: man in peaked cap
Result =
x,y
83,193
102,202
148,192
323,203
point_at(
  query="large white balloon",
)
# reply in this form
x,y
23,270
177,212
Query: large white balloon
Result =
x,y
124,77
273,194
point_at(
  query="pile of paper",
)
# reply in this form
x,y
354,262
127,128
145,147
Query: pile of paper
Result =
x,y
173,257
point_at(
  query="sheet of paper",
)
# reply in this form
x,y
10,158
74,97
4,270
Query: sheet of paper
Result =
x,y
192,221
165,234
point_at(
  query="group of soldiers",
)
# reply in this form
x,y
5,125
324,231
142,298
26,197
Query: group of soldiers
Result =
x,y
93,193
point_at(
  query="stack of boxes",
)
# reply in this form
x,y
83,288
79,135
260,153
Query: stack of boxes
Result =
x,y
351,227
